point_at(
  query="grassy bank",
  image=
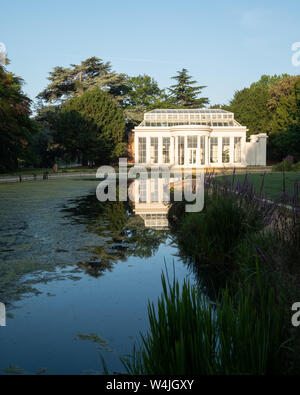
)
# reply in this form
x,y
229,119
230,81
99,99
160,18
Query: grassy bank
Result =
x,y
29,172
274,182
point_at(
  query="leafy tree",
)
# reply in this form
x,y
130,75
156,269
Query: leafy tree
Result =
x,y
42,144
266,81
297,94
256,106
283,104
285,137
91,126
142,91
16,127
249,106
76,79
184,94
270,106
143,94
280,145
221,106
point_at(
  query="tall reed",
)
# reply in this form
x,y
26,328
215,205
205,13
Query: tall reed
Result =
x,y
189,335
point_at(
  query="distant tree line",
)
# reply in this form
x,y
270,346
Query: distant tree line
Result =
x,y
16,126
85,113
272,105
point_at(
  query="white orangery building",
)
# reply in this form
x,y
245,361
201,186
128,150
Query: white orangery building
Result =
x,y
195,138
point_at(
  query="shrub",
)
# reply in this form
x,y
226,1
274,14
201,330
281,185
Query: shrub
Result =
x,y
91,125
278,259
285,165
296,166
212,235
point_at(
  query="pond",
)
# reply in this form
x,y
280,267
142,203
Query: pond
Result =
x,y
76,276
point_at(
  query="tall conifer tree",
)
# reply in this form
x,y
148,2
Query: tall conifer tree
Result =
x,y
184,93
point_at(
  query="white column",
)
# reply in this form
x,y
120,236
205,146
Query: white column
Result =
x,y
160,156
186,159
243,148
171,150
148,156
231,150
198,161
220,150
176,151
207,149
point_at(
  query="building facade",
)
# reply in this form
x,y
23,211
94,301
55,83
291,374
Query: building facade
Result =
x,y
195,138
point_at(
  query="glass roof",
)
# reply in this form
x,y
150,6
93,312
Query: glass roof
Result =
x,y
194,116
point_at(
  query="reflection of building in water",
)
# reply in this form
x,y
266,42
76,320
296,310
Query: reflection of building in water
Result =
x,y
151,202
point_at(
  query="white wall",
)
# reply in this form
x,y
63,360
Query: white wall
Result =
x,y
256,150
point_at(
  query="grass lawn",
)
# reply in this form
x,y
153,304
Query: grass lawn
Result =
x,y
30,172
273,185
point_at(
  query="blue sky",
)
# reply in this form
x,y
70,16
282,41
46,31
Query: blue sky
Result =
x,y
225,45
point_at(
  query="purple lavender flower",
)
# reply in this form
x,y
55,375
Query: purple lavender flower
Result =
x,y
261,254
289,158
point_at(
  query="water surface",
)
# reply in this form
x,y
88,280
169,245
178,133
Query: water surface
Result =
x,y
76,276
